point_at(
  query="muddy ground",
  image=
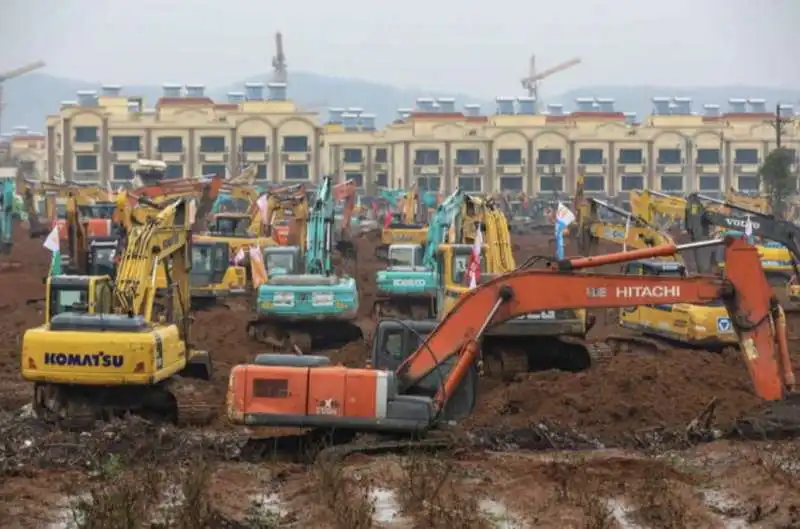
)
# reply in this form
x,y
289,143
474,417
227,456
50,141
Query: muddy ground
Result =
x,y
619,452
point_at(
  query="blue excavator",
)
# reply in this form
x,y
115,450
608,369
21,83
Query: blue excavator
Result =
x,y
8,211
310,308
408,287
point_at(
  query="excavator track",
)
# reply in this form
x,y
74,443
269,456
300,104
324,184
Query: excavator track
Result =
x,y
300,337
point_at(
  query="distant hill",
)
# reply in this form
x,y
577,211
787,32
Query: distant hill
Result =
x,y
30,98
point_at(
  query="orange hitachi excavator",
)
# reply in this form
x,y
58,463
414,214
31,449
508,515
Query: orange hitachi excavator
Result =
x,y
428,387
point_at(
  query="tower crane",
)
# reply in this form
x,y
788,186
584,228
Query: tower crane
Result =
x,y
531,82
279,60
11,74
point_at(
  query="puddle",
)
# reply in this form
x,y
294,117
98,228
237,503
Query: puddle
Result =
x,y
387,510
499,515
728,512
620,511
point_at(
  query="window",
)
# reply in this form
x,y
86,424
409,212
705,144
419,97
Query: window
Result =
x,y
510,183
174,171
393,345
426,157
631,156
214,169
669,156
170,144
353,156
122,172
382,179
429,183
212,144
470,184
749,183
509,157
261,171
590,156
254,144
460,264
126,143
594,183
671,183
296,171
405,255
631,182
549,157
551,183
381,155
468,156
709,183
708,156
86,162
746,156
295,144
358,178
86,134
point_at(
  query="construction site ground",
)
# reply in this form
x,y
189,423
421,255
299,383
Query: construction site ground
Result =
x,y
616,445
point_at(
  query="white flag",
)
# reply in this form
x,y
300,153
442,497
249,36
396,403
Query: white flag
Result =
x,y
564,216
627,230
51,242
748,227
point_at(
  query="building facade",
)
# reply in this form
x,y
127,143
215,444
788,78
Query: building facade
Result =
x,y
433,145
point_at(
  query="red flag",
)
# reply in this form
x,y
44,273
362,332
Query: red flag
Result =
x,y
387,218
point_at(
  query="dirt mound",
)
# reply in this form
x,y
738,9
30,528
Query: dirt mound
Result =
x,y
21,275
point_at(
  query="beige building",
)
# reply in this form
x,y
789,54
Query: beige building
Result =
x,y
434,145
26,149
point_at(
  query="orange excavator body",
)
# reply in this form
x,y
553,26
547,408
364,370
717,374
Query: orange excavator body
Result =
x,y
308,395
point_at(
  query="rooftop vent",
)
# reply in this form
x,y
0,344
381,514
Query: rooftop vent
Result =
x,y
585,104
171,90
711,110
630,118
605,104
426,104
21,130
236,97
682,105
404,113
357,111
505,105
447,105
350,121
555,109
737,105
367,122
661,106
87,98
335,115
254,91
472,109
195,90
786,111
277,91
757,105
134,106
526,105
68,104
110,90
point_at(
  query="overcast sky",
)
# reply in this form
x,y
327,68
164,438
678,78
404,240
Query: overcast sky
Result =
x,y
475,46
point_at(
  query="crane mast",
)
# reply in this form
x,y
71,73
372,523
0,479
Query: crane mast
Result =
x,y
279,60
12,74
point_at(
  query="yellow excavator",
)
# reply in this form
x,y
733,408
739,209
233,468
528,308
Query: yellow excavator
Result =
x,y
707,326
522,343
657,209
108,347
407,225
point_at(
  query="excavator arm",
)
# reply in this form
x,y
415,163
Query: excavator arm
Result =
x,y
345,192
756,316
636,232
701,220
652,205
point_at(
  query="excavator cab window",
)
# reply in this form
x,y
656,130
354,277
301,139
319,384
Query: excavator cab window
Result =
x,y
100,210
405,255
210,261
280,262
230,226
70,297
61,211
460,263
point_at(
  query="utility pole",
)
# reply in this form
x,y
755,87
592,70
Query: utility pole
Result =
x,y
778,125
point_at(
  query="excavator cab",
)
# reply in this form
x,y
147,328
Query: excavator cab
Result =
x,y
212,277
102,256
282,260
77,294
230,225
98,210
702,325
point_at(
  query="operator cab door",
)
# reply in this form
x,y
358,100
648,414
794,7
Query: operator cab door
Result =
x,y
210,261
453,272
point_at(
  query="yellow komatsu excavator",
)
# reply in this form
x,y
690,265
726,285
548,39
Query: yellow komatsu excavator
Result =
x,y
758,204
409,226
657,209
521,342
109,347
707,326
